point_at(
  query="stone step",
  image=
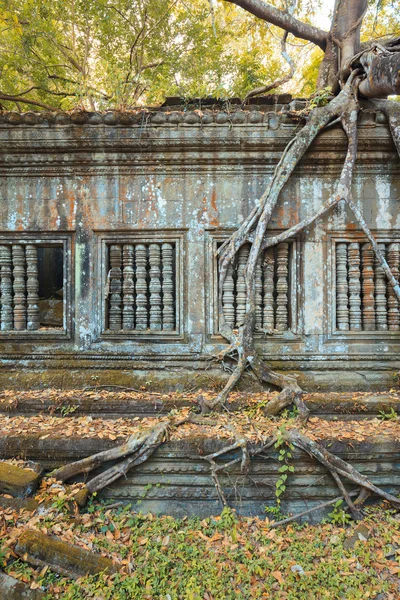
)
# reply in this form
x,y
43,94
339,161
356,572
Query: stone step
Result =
x,y
16,481
40,550
114,404
176,481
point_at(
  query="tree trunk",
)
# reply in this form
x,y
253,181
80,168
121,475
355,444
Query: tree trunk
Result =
x,y
343,43
383,75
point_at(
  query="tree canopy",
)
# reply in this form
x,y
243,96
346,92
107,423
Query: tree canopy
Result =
x,y
98,54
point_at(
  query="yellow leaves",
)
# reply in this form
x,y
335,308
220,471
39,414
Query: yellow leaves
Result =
x,y
278,576
143,541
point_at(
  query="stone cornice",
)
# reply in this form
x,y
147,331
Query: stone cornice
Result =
x,y
176,141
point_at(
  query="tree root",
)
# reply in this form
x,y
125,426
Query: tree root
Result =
x,y
310,510
344,108
336,465
138,449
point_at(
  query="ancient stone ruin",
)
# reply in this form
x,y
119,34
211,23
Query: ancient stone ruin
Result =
x,y
109,232
109,228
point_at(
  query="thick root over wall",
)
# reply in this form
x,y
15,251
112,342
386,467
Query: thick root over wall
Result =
x,y
239,450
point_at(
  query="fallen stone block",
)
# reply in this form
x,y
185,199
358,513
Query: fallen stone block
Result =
x,y
39,550
12,589
360,534
29,504
16,481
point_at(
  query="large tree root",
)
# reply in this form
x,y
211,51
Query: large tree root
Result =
x,y
138,449
344,108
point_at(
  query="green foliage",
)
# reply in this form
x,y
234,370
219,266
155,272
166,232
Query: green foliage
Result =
x,y
284,455
96,54
309,77
320,98
390,415
228,518
68,409
293,413
3,554
225,558
339,516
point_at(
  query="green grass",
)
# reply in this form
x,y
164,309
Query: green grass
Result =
x,y
224,557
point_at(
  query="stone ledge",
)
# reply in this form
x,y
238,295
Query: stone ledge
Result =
x,y
176,481
72,372
271,114
16,481
115,403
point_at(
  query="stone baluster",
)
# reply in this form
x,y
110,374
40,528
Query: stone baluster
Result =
x,y
128,288
268,290
342,288
380,294
354,286
393,257
32,286
115,310
141,287
155,286
368,287
6,288
19,275
258,294
282,271
168,309
228,298
241,284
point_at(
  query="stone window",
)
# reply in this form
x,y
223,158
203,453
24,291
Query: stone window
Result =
x,y
275,289
142,294
34,286
365,300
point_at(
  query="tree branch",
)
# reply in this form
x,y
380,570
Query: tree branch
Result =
x,y
278,82
282,19
25,101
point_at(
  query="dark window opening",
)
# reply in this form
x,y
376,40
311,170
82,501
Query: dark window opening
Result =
x,y
51,282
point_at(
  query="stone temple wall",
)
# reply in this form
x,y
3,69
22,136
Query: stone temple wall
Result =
x,y
108,229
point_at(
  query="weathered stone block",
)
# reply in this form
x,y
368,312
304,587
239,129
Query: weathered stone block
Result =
x,y
12,589
39,550
16,481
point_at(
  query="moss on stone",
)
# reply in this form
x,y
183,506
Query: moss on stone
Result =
x,y
16,481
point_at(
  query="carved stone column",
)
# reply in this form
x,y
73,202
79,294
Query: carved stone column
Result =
x,y
282,270
141,287
354,286
155,286
342,288
32,286
258,294
19,274
368,287
228,299
168,309
380,293
268,289
115,308
128,288
393,258
6,288
243,256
